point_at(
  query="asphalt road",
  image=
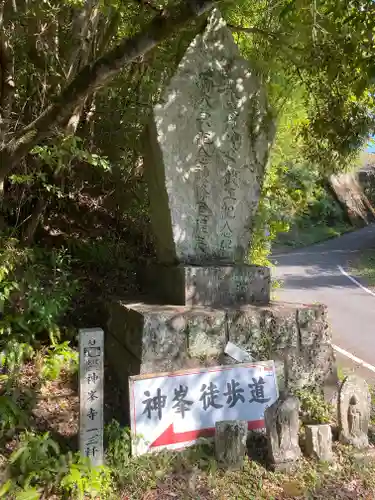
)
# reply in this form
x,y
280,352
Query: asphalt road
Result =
x,y
312,274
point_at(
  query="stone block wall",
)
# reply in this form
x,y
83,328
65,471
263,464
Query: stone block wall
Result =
x,y
156,338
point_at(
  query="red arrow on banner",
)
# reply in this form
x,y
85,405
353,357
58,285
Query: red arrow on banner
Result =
x,y
169,436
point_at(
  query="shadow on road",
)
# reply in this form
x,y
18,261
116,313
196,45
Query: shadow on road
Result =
x,y
309,270
312,275
317,280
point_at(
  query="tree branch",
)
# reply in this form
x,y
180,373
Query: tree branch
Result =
x,y
96,75
85,38
107,32
81,36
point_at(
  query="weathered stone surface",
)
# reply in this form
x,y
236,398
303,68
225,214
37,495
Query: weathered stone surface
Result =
x,y
165,338
265,330
279,325
230,443
227,285
280,374
282,426
206,151
319,442
313,325
274,332
284,332
331,385
214,286
244,328
206,332
310,366
122,361
155,335
354,411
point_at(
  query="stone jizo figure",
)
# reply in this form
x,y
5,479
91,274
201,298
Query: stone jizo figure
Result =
x,y
354,417
282,427
354,412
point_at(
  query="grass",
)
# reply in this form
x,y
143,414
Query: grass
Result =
x,y
300,236
194,474
363,266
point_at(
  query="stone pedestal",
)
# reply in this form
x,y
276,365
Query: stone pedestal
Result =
x,y
205,153
144,338
157,338
208,285
295,336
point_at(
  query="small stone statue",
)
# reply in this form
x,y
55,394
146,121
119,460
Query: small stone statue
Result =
x,y
319,442
354,412
230,443
282,427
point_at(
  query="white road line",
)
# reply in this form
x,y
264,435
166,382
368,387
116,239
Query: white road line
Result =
x,y
342,271
354,358
342,351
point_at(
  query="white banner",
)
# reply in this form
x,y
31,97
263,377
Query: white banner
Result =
x,y
174,410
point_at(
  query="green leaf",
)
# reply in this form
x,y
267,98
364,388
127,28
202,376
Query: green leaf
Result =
x,y
288,8
5,488
52,444
17,454
29,494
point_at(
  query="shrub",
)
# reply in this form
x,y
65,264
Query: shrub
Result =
x,y
35,291
314,408
85,481
58,357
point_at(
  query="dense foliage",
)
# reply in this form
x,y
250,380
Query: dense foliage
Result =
x,y
78,79
63,137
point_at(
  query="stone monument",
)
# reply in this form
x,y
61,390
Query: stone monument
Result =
x,y
319,442
206,149
205,156
354,411
282,427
